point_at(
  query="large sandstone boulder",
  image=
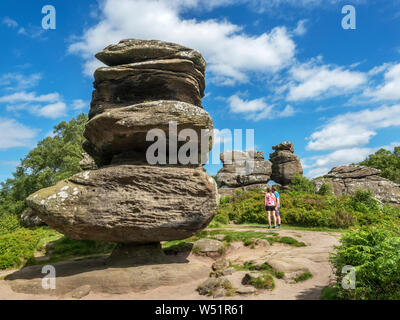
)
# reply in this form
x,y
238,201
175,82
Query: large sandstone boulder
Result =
x,y
346,180
285,164
243,168
125,129
129,203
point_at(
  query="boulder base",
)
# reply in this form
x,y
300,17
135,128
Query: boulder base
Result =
x,y
101,278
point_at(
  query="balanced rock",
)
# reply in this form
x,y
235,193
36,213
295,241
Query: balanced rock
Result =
x,y
285,164
243,168
346,180
127,198
129,203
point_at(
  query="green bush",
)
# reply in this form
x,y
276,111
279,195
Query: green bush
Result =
x,y
19,246
302,184
224,199
325,190
374,252
310,210
9,223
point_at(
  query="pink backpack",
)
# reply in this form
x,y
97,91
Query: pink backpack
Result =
x,y
269,200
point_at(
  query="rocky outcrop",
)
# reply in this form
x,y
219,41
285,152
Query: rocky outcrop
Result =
x,y
147,85
346,180
285,164
243,169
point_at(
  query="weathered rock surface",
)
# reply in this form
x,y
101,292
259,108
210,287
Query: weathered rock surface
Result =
x,y
87,163
125,85
285,164
208,246
243,168
129,203
76,277
346,180
29,218
125,129
135,50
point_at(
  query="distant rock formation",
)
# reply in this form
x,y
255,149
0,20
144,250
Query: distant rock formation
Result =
x,y
146,85
346,180
243,169
285,164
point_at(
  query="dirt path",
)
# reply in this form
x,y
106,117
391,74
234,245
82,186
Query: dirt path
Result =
x,y
291,260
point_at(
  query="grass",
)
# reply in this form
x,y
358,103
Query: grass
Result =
x,y
285,227
303,277
329,293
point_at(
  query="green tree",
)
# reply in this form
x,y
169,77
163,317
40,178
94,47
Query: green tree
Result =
x,y
53,159
386,161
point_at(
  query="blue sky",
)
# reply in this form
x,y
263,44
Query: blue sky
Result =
x,y
285,68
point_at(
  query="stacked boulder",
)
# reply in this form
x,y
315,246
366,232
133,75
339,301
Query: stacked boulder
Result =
x,y
346,180
285,164
146,85
246,170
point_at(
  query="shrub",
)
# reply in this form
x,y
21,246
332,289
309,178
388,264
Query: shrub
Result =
x,y
374,252
224,199
9,223
310,210
302,184
325,190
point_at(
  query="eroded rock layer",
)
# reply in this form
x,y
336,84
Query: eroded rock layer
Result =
x,y
129,203
346,180
243,168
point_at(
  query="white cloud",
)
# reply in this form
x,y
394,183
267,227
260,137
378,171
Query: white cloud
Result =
x,y
9,22
79,104
390,89
312,81
230,53
321,165
18,135
18,81
53,111
301,28
30,97
257,109
354,128
30,31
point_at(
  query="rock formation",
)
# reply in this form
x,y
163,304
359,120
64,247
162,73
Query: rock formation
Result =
x,y
346,180
285,164
147,85
242,170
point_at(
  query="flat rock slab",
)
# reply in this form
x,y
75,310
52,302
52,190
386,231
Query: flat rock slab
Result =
x,y
208,245
135,50
77,278
129,203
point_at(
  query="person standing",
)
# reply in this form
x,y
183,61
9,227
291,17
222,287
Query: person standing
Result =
x,y
270,205
277,207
